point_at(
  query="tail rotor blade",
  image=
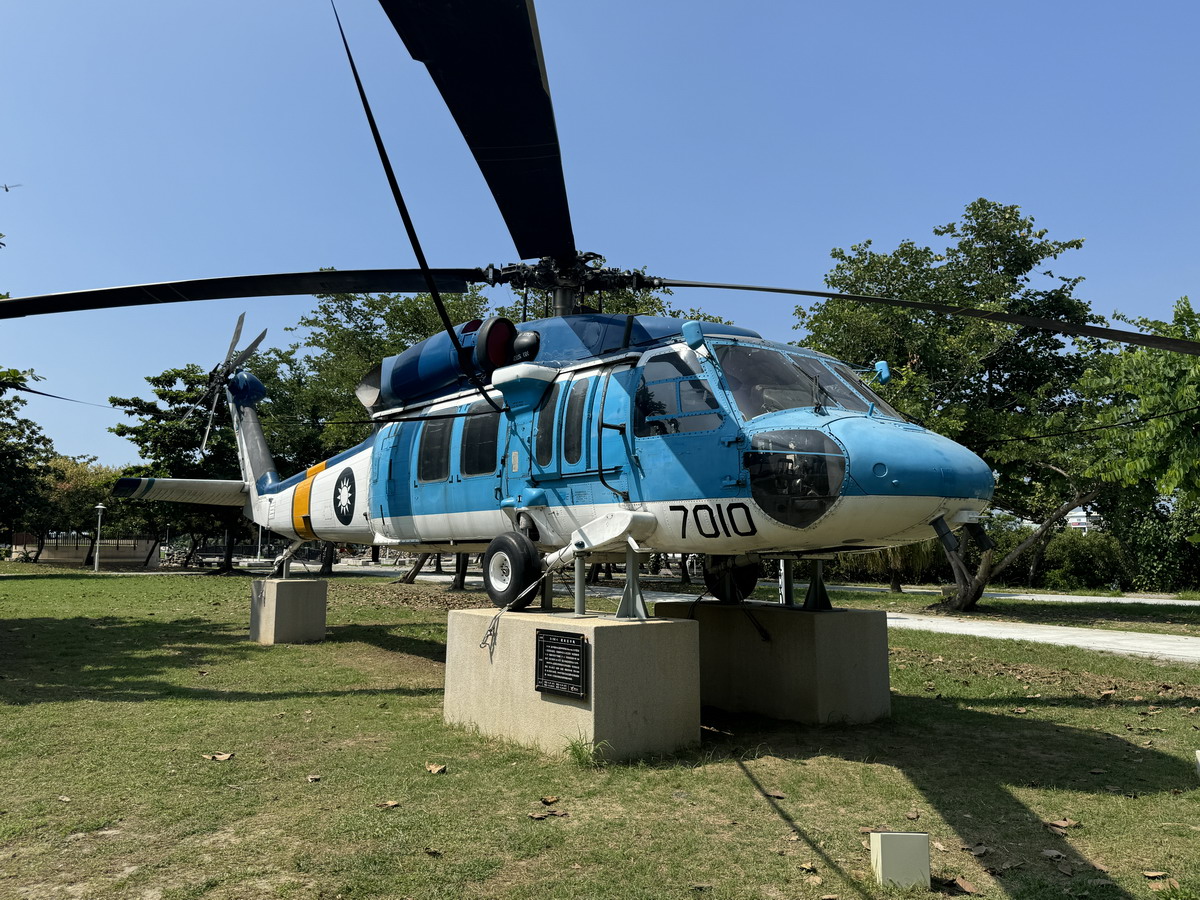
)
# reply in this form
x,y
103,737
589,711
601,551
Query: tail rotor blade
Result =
x,y
232,365
237,333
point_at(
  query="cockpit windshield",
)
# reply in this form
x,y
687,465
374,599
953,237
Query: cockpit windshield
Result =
x,y
764,380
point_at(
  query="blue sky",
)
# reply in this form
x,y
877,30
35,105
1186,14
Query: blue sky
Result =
x,y
706,141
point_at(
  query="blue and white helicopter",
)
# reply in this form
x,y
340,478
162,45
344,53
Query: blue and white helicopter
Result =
x,y
585,433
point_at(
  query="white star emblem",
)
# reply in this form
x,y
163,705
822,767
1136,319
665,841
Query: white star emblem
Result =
x,y
345,497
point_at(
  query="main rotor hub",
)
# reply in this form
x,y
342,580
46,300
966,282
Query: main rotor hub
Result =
x,y
579,276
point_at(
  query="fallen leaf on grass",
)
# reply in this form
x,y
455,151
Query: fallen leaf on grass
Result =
x,y
1053,854
557,812
203,672
1054,829
313,779
912,815
435,768
1065,868
1106,695
963,885
64,798
388,804
1021,710
979,850
938,845
808,867
549,801
1155,874
814,880
829,897
537,817
778,795
1168,884
433,851
1064,823
217,757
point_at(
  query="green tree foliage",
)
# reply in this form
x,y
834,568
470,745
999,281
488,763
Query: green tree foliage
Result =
x,y
1151,398
25,452
347,335
996,388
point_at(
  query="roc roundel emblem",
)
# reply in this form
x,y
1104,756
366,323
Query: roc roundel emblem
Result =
x,y
343,496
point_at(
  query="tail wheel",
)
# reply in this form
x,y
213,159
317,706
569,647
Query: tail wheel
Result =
x,y
728,582
511,567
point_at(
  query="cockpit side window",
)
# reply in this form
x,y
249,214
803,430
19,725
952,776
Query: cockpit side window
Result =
x,y
673,397
856,383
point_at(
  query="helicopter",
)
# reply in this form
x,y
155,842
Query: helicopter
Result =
x,y
585,433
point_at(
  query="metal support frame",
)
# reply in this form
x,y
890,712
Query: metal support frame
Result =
x,y
283,562
633,604
787,583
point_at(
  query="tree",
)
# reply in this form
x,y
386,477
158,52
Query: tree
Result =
x,y
1150,401
169,438
25,451
997,389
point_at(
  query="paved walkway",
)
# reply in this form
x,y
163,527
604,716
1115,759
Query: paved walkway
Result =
x,y
1145,600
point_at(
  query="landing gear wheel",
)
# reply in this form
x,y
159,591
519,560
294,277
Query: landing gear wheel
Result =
x,y
510,566
728,582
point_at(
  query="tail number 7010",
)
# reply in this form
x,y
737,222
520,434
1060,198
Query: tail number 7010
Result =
x,y
716,520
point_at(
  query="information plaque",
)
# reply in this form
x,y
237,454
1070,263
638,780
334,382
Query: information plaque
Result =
x,y
561,663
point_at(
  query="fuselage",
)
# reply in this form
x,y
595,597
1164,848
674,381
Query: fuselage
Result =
x,y
735,445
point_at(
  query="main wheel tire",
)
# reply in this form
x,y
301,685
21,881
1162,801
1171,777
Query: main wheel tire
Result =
x,y
511,566
727,582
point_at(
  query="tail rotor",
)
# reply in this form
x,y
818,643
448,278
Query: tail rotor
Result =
x,y
220,373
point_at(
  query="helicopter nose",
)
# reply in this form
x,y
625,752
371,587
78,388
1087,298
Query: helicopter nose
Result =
x,y
902,459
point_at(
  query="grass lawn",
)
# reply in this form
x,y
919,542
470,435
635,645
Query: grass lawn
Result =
x,y
113,688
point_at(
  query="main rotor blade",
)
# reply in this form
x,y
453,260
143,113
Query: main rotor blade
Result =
x,y
1158,342
350,281
234,364
485,57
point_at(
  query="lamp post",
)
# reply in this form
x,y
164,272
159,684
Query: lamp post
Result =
x,y
96,551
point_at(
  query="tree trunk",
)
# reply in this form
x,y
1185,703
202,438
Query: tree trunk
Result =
x,y
460,572
375,554
41,545
1035,562
227,557
437,563
150,554
970,586
90,558
328,555
191,554
896,586
411,575
684,576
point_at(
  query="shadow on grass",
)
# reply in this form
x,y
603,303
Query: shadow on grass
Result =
x,y
386,637
968,763
114,658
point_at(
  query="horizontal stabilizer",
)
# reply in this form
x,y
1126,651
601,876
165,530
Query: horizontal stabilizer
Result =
x,y
184,490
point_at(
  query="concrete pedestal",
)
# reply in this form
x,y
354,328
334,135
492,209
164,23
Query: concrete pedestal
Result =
x,y
288,610
817,667
643,683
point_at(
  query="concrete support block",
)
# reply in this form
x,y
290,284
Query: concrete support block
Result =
x,y
288,610
643,683
816,667
901,858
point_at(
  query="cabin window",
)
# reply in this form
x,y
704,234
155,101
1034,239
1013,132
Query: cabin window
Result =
x,y
573,421
433,455
480,436
544,445
674,398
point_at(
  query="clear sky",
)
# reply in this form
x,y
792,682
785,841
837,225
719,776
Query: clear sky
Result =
x,y
707,141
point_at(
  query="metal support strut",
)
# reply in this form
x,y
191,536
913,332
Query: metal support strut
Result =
x,y
787,583
817,599
633,604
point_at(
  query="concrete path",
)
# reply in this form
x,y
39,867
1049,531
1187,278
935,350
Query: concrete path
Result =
x,y
1040,598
